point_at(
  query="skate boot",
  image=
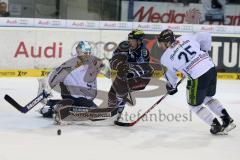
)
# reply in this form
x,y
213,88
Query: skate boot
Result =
x,y
228,124
47,111
216,127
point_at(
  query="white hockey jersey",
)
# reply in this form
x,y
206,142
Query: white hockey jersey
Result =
x,y
81,82
189,55
79,77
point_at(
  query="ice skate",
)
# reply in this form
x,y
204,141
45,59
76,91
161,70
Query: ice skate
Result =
x,y
228,124
47,111
216,128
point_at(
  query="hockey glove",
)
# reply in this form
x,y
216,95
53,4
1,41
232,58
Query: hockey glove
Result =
x,y
122,69
130,75
117,61
171,90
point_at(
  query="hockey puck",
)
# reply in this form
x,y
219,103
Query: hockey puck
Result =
x,y
59,132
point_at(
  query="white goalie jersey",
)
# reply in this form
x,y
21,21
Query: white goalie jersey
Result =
x,y
79,77
189,55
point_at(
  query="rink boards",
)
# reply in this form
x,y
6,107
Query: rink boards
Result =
x,y
45,72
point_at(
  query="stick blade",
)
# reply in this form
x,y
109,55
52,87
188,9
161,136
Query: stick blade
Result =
x,y
123,124
13,102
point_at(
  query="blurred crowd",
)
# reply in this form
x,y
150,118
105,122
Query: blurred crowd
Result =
x,y
3,9
190,1
214,10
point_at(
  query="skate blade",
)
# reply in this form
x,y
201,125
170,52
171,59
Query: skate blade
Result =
x,y
230,127
222,133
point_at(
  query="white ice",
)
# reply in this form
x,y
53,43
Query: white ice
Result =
x,y
31,137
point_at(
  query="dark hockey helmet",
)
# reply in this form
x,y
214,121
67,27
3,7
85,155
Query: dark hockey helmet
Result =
x,y
166,36
136,34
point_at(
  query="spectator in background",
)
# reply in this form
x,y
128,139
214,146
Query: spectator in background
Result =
x,y
214,10
3,9
185,2
234,1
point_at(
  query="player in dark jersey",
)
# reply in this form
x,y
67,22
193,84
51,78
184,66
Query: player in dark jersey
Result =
x,y
131,61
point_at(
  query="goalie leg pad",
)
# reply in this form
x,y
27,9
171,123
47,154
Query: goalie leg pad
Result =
x,y
76,113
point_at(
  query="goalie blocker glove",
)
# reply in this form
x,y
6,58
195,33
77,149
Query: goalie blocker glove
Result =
x,y
170,89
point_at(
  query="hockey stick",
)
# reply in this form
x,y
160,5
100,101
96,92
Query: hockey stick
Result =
x,y
139,118
129,100
30,105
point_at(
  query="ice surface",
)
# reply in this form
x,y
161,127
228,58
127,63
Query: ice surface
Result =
x,y
31,137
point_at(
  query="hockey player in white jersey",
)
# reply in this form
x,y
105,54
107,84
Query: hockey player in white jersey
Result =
x,y
76,78
188,54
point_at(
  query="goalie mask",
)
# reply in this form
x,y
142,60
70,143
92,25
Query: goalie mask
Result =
x,y
83,48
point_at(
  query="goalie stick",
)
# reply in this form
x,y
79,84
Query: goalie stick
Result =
x,y
139,118
30,105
